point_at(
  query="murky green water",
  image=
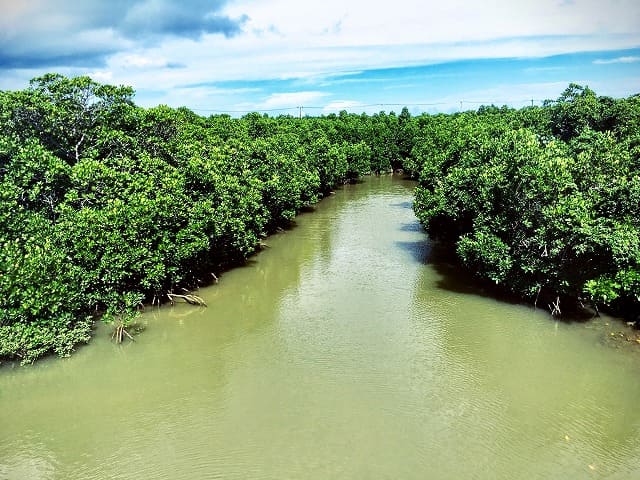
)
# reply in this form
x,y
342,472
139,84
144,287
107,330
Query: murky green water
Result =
x,y
343,350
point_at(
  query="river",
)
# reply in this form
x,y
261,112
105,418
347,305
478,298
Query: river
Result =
x,y
344,350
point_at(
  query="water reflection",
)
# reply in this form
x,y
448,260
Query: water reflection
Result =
x,y
525,386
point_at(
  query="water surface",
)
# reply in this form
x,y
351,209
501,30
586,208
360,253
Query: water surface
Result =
x,y
345,349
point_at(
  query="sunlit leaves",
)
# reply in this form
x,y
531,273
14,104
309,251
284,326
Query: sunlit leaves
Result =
x,y
105,205
531,213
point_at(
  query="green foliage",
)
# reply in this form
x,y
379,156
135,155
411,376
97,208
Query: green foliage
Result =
x,y
105,205
533,213
487,251
41,307
579,108
69,117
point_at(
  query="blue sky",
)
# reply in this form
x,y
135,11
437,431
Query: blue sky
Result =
x,y
276,55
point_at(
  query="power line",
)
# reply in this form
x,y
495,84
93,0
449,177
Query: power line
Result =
x,y
219,110
300,109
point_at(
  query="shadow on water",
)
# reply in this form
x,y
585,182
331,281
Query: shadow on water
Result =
x,y
454,278
411,227
419,250
403,205
308,209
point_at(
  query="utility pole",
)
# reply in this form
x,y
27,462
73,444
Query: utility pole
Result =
x,y
532,102
300,112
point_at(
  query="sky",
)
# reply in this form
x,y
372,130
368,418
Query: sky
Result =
x,y
320,57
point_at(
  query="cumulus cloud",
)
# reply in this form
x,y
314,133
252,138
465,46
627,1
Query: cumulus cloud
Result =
x,y
45,33
162,46
185,19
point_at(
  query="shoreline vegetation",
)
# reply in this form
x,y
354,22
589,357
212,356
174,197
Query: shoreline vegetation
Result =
x,y
106,206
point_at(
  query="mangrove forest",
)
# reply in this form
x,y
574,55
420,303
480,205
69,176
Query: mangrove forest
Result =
x,y
106,206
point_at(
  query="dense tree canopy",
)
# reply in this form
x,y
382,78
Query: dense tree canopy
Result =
x,y
105,206
542,202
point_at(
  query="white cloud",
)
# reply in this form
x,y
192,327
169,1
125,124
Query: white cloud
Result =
x,y
214,59
339,105
617,60
286,39
143,61
284,100
363,22
103,76
313,41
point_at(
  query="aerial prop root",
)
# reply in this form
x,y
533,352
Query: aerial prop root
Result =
x,y
188,298
119,333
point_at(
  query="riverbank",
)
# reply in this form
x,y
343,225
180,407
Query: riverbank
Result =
x,y
341,351
107,216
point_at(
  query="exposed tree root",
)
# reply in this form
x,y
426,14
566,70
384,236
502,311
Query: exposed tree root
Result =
x,y
188,298
119,333
554,307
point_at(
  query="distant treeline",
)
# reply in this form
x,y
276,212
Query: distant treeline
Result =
x,y
106,206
